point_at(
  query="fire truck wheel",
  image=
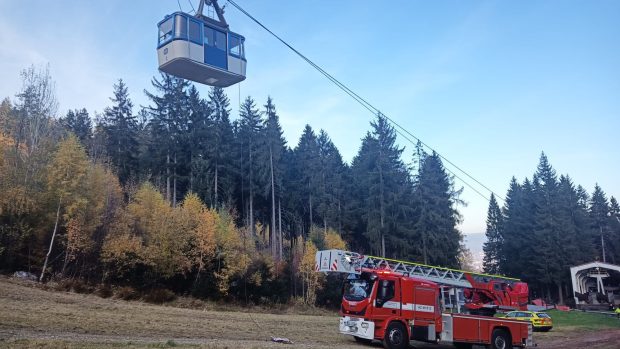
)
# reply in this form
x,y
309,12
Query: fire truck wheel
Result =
x,y
500,340
362,340
396,336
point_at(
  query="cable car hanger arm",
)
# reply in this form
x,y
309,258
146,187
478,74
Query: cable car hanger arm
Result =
x,y
218,10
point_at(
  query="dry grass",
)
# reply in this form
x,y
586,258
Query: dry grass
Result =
x,y
31,317
34,316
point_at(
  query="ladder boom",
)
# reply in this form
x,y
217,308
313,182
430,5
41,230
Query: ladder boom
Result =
x,y
350,262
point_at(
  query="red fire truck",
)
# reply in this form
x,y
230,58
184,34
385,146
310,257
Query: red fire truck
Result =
x,y
397,301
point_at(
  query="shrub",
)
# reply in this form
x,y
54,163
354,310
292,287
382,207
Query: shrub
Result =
x,y
104,291
64,285
80,286
159,295
127,293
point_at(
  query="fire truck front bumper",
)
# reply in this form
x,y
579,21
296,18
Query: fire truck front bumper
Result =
x,y
357,327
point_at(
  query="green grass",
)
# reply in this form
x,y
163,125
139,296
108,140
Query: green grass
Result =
x,y
582,320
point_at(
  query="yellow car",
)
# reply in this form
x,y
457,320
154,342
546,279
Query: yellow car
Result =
x,y
540,321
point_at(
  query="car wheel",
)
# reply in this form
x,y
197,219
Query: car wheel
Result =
x,y
500,340
396,336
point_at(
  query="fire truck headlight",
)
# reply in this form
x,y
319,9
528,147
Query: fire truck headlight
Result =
x,y
364,325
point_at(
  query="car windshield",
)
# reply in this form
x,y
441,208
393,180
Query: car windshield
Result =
x,y
543,315
356,289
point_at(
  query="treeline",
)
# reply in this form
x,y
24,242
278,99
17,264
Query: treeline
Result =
x,y
547,225
180,195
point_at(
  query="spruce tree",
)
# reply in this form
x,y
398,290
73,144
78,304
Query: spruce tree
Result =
x,y
271,170
121,132
306,174
250,128
614,232
492,248
168,127
599,219
438,217
78,122
382,179
546,237
219,149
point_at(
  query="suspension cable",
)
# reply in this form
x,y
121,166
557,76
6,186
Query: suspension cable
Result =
x,y
192,5
372,109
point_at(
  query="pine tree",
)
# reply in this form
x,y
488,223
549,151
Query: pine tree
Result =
x,y
546,235
599,219
614,232
331,183
306,174
250,127
78,122
220,152
438,218
382,181
274,147
169,131
518,226
493,256
121,132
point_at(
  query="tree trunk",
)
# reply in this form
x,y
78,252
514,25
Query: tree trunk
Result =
x,y
168,176
339,218
424,249
215,203
560,294
280,229
251,184
310,202
49,251
274,240
174,190
381,204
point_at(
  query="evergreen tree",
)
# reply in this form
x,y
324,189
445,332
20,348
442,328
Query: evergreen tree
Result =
x,y
250,128
331,183
495,239
306,175
599,219
518,226
382,180
274,147
438,215
614,232
168,126
78,122
219,151
546,237
121,132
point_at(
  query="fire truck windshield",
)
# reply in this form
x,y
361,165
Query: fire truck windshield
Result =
x,y
357,289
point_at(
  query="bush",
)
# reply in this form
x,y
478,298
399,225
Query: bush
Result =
x,y
80,286
127,293
159,295
75,285
64,285
104,291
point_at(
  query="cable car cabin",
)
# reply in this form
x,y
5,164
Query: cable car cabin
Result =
x,y
200,49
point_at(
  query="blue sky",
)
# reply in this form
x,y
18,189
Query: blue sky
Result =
x,y
489,84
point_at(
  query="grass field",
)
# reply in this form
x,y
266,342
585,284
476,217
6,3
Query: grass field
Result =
x,y
31,317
